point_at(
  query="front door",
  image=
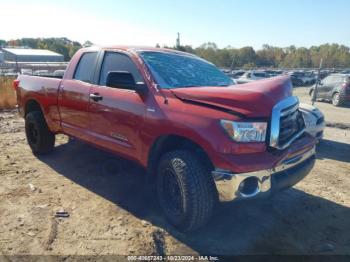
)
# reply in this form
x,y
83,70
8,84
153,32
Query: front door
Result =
x,y
323,86
117,114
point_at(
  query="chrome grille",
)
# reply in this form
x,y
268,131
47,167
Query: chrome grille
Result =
x,y
290,125
287,123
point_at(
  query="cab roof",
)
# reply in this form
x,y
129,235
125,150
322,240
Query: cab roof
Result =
x,y
131,48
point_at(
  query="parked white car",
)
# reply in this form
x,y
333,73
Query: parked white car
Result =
x,y
59,73
314,120
251,76
302,78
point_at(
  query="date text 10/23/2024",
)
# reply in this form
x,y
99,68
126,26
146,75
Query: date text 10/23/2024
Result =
x,y
172,258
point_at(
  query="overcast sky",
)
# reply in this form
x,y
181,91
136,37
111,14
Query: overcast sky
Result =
x,y
226,22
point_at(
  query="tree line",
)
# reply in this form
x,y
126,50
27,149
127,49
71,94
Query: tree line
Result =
x,y
334,55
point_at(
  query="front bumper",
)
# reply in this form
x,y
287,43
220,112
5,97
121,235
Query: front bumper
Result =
x,y
232,186
346,98
316,130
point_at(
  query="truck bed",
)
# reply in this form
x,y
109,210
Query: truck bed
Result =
x,y
43,89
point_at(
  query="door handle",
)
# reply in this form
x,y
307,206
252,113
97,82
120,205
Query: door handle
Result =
x,y
96,97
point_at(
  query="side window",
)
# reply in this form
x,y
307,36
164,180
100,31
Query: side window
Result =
x,y
118,62
85,67
338,79
327,80
249,75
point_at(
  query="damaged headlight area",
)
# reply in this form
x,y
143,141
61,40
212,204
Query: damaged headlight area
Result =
x,y
245,131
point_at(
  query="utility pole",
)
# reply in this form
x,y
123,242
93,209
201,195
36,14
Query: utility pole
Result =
x,y
178,40
17,70
233,60
314,93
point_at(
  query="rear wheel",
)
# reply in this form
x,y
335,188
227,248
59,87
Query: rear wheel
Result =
x,y
40,139
311,93
336,99
186,191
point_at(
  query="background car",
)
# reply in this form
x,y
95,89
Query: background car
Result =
x,y
272,73
237,73
41,72
11,74
252,76
59,73
300,78
335,87
314,120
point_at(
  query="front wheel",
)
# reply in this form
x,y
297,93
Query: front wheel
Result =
x,y
336,99
311,93
40,139
186,191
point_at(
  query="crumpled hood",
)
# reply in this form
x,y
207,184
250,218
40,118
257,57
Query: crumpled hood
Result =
x,y
255,99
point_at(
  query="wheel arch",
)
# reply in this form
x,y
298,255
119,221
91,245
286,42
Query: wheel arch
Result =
x,y
312,89
335,91
170,142
32,105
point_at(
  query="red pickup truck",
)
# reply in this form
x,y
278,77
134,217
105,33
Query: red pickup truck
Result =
x,y
204,139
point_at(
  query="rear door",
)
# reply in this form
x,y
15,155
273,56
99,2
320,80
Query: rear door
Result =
x,y
335,81
324,86
117,115
74,97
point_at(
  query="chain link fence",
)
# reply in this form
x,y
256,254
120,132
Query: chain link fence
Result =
x,y
38,68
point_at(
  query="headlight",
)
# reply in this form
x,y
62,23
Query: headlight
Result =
x,y
245,131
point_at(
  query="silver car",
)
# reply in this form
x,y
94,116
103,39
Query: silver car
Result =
x,y
314,120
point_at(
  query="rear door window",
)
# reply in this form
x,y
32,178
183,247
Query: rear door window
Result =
x,y
86,66
328,80
338,79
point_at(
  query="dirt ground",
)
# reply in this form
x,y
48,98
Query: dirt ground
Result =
x,y
112,210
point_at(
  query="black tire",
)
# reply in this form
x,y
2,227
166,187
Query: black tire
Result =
x,y
311,93
186,191
40,139
337,99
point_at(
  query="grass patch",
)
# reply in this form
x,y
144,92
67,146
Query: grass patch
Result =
x,y
8,98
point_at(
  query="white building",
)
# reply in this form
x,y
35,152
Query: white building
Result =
x,y
2,57
30,55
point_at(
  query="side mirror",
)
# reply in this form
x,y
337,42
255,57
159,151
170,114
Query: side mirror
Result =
x,y
141,88
125,80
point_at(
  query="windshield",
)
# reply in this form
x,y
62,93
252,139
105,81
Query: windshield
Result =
x,y
172,70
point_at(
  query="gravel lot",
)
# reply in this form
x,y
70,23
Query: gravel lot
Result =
x,y
334,115
112,210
